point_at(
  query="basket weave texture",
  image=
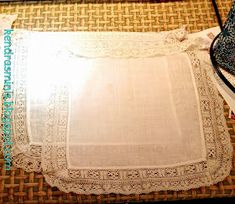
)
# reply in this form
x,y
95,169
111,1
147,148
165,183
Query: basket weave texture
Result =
x,y
18,186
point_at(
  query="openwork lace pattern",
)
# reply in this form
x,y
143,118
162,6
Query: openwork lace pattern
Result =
x,y
120,45
54,147
28,156
215,168
51,156
25,155
141,44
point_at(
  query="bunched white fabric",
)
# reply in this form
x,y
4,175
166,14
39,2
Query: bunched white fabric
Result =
x,y
118,112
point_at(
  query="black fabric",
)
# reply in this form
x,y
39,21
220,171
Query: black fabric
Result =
x,y
222,50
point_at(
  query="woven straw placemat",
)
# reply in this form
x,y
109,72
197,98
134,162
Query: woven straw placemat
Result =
x,y
18,186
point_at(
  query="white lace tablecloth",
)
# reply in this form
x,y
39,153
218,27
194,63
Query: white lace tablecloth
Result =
x,y
118,112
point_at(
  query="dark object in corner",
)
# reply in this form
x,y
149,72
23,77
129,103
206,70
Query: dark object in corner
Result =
x,y
222,51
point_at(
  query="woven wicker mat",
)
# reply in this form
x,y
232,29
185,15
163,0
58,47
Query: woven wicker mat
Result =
x,y
18,186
